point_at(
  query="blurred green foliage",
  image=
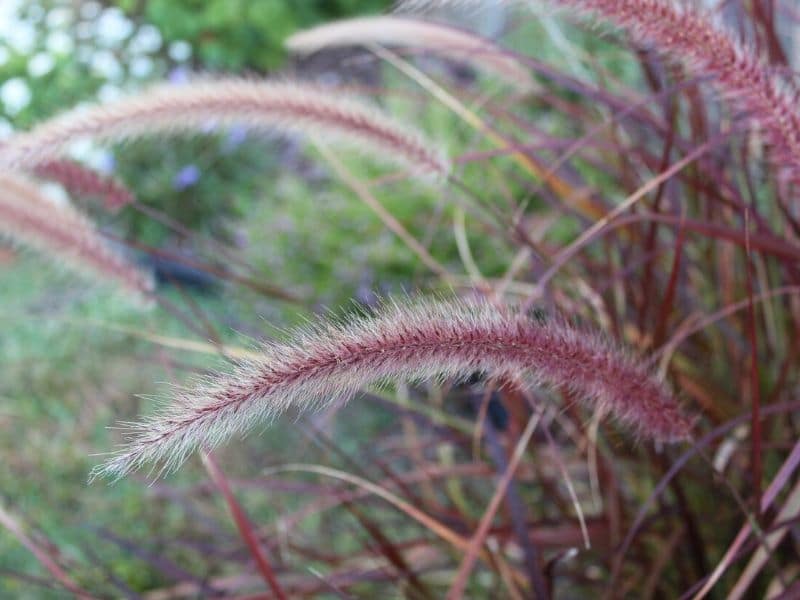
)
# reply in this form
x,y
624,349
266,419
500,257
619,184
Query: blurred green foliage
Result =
x,y
240,35
204,183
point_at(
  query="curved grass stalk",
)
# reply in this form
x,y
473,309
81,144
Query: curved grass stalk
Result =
x,y
283,105
80,180
63,234
419,341
444,40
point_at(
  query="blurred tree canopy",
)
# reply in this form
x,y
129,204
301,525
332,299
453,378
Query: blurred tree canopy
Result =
x,y
240,35
57,53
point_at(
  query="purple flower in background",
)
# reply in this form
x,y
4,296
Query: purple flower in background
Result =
x,y
106,163
186,177
236,137
179,75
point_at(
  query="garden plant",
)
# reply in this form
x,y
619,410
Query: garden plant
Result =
x,y
465,300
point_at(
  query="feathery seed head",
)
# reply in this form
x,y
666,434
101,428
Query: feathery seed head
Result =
x,y
417,341
284,105
79,179
62,233
447,41
687,34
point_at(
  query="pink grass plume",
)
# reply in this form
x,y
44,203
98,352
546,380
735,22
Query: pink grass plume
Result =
x,y
690,35
80,180
685,33
418,341
61,233
289,106
439,39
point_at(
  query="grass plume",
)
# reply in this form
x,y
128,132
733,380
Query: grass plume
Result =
x,y
283,105
416,341
444,40
63,234
689,35
686,34
80,180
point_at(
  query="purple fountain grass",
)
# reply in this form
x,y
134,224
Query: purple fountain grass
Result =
x,y
63,234
684,33
417,341
80,180
283,105
692,36
447,41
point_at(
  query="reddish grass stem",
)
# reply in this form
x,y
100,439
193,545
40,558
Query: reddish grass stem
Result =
x,y
756,467
244,526
8,522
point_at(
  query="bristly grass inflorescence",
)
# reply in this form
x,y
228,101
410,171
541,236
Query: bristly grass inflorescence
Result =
x,y
439,39
417,341
64,235
80,180
689,35
283,105
685,33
